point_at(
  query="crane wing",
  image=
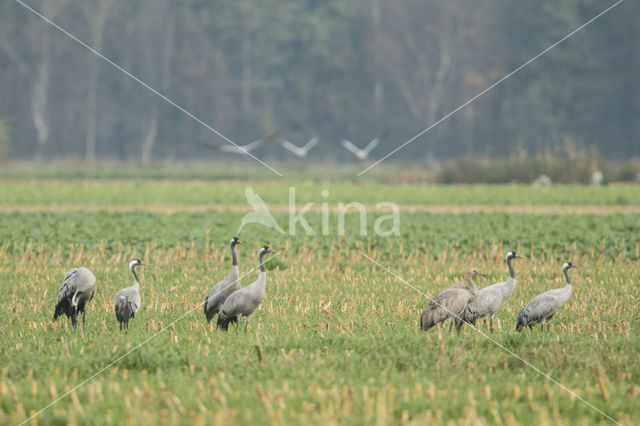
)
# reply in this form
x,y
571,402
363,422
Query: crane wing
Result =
x,y
310,144
229,148
248,147
288,145
68,284
351,147
371,145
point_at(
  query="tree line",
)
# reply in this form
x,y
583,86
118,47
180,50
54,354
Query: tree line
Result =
x,y
333,69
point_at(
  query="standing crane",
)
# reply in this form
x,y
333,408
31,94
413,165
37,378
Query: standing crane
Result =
x,y
127,301
77,289
545,306
219,293
448,304
245,301
491,298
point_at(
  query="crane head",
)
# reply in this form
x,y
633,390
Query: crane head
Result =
x,y
266,249
235,241
568,265
474,272
513,255
136,262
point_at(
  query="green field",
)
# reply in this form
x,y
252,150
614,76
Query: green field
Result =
x,y
336,339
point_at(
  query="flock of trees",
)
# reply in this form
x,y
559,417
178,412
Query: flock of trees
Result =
x,y
334,69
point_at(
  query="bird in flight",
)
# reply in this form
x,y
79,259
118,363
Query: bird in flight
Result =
x,y
299,151
361,153
241,149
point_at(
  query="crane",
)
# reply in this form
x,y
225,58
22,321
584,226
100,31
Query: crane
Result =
x,y
245,301
448,304
127,301
76,291
219,293
490,299
299,151
545,306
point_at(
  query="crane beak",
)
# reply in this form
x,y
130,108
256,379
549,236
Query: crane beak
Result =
x,y
520,257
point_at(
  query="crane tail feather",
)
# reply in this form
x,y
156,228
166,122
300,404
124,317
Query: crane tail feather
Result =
x,y
223,321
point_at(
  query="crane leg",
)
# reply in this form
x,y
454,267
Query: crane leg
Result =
x,y
83,314
542,327
450,325
491,324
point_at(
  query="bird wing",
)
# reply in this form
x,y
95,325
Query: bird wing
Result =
x,y
248,147
310,144
351,147
540,306
80,280
371,145
254,199
230,148
291,147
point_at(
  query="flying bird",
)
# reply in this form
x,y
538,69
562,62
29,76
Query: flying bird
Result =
x,y
361,153
260,215
219,293
241,149
77,289
299,151
545,306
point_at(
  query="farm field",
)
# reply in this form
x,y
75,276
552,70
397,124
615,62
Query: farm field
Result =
x,y
337,338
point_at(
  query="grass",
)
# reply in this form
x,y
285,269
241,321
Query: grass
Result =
x,y
336,339
106,193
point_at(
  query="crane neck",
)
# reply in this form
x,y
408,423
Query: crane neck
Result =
x,y
472,284
262,268
566,274
233,255
135,276
512,274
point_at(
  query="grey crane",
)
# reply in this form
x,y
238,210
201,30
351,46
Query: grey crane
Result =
x,y
127,301
448,304
299,151
77,289
545,306
219,293
361,153
244,302
490,299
